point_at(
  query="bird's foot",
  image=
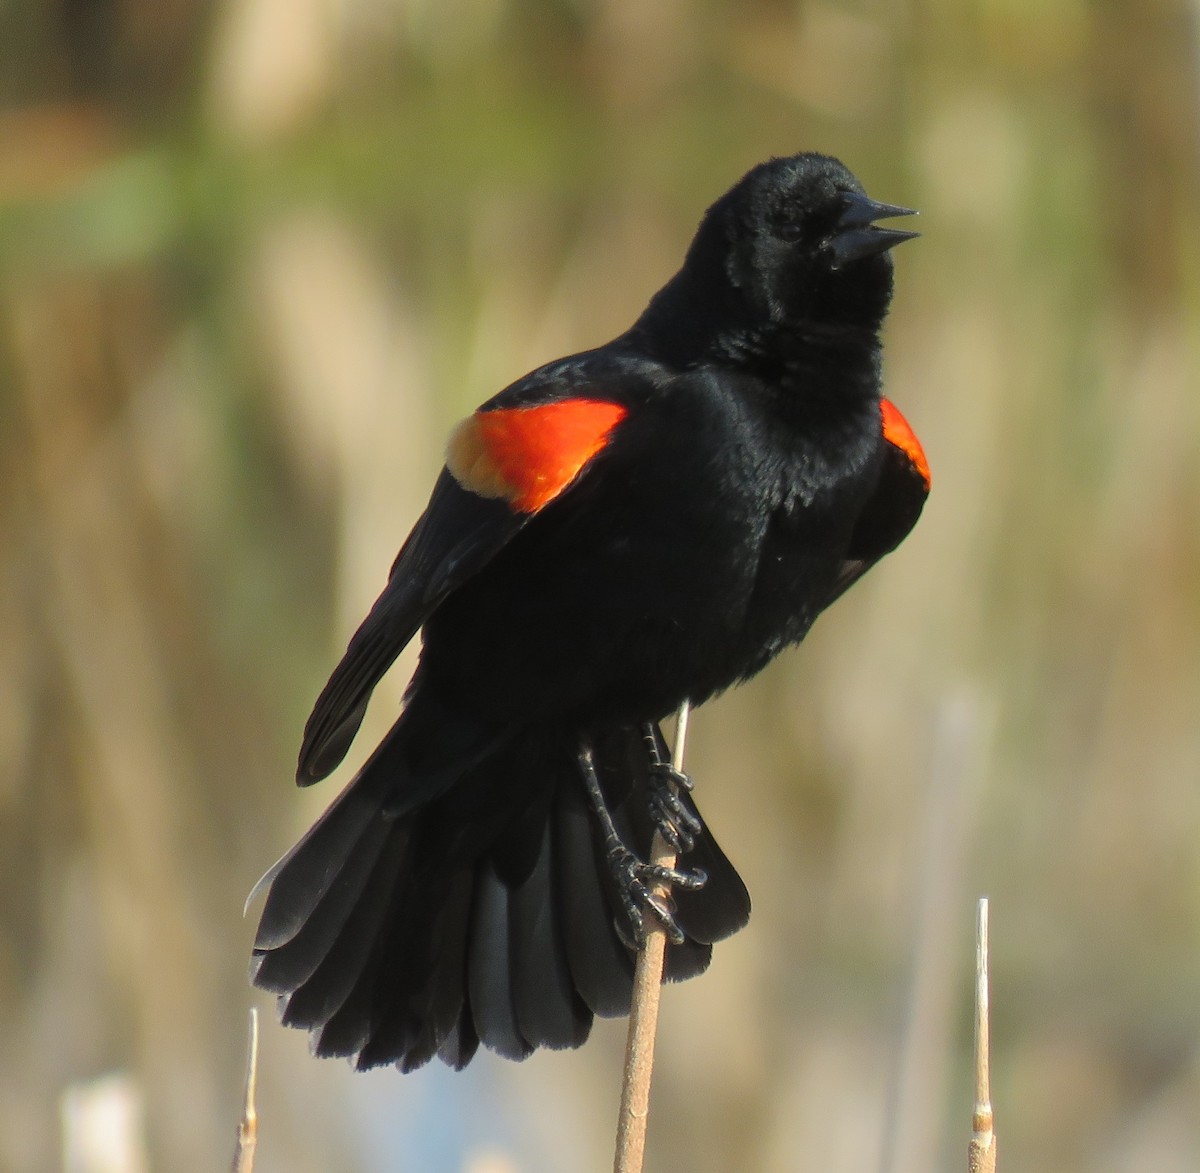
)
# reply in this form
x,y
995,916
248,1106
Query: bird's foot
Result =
x,y
672,811
641,886
645,887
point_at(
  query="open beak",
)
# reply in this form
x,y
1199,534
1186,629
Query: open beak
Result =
x,y
857,235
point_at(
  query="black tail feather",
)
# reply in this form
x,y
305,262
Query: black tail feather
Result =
x,y
550,1013
290,965
419,1011
460,1045
301,880
489,968
473,916
600,963
330,985
722,906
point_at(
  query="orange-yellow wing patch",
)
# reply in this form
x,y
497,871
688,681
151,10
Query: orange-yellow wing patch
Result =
x,y
528,455
897,433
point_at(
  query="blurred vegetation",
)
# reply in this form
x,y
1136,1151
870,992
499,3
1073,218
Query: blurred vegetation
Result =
x,y
255,256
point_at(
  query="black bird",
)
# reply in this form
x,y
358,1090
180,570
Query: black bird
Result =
x,y
643,523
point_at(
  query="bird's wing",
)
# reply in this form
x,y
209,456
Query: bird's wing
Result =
x,y
894,506
504,464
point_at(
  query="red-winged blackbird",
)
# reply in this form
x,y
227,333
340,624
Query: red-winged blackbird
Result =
x,y
638,524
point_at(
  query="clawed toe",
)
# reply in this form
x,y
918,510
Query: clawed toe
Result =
x,y
667,772
639,882
645,887
670,808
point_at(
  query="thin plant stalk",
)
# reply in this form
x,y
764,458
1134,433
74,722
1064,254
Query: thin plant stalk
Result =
x,y
981,1150
247,1133
643,1010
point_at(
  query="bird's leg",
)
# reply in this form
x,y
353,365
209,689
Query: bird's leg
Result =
x,y
670,808
635,878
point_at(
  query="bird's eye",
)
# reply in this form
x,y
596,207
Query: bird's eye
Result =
x,y
790,230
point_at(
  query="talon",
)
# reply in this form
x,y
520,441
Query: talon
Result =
x,y
670,827
634,940
673,815
666,917
635,878
672,811
680,842
678,777
692,880
635,881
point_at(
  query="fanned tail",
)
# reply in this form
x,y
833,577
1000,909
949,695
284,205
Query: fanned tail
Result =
x,y
483,912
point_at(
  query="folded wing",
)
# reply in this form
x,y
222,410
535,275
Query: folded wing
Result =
x,y
503,466
894,506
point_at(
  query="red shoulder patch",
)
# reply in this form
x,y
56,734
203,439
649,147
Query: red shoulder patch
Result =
x,y
528,455
897,433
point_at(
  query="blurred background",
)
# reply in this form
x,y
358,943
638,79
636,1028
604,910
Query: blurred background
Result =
x,y
256,256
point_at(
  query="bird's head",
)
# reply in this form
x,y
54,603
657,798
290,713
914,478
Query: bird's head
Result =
x,y
799,239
